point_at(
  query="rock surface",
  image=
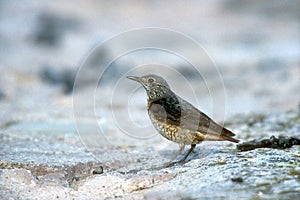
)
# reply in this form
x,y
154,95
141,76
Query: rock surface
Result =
x,y
108,149
215,170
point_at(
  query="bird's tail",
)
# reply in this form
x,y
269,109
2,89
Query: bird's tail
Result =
x,y
228,135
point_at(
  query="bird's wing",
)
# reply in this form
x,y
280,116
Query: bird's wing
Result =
x,y
194,119
176,111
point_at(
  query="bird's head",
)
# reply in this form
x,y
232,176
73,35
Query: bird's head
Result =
x,y
155,86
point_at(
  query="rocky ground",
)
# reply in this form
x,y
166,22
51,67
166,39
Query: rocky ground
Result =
x,y
95,141
51,164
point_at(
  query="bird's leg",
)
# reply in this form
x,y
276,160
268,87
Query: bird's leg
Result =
x,y
170,164
187,154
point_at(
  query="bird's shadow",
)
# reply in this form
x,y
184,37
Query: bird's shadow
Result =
x,y
175,157
172,157
198,153
176,160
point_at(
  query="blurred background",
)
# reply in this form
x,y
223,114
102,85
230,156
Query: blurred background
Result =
x,y
254,44
249,78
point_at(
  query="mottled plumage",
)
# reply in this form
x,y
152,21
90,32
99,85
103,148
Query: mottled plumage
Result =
x,y
176,119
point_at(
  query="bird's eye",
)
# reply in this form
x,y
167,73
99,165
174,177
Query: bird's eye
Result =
x,y
150,80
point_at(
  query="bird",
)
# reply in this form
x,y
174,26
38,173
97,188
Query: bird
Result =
x,y
178,120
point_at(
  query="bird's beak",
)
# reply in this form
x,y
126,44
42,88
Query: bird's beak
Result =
x,y
134,78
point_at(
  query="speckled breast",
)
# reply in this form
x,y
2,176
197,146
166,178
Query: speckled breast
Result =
x,y
172,132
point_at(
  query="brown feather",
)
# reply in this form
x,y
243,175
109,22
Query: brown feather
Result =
x,y
176,111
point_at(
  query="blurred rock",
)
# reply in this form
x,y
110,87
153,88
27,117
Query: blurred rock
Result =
x,y
265,8
272,64
94,69
51,28
65,77
101,66
190,73
1,2
1,95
